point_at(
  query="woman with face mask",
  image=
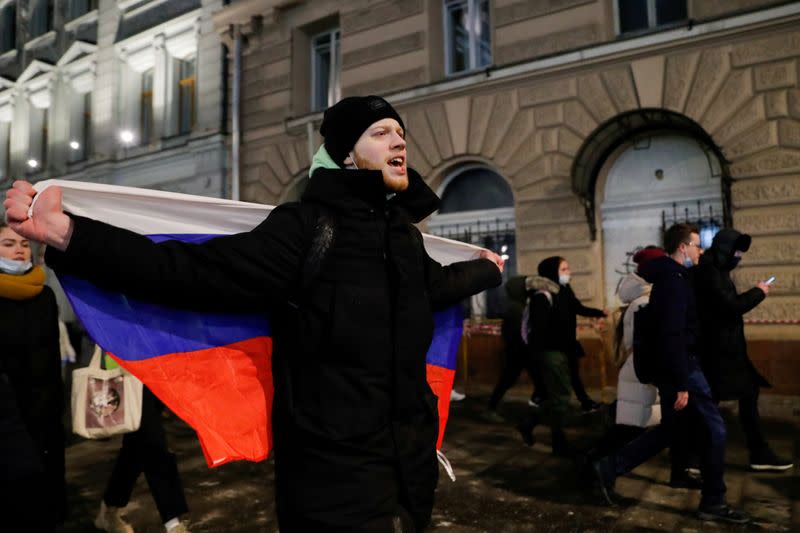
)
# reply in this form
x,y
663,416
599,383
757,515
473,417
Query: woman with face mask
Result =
x,y
723,349
32,488
554,347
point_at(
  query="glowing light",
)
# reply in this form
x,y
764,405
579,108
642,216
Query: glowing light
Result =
x,y
33,163
74,145
126,136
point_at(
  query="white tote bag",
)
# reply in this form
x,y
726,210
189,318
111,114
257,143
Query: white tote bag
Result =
x,y
105,402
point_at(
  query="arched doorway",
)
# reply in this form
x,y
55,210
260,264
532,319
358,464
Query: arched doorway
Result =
x,y
656,180
478,207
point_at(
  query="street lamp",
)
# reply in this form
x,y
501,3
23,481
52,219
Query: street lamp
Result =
x,y
126,136
32,163
75,145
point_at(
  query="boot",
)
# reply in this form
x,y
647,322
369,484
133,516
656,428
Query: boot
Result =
x,y
526,429
560,447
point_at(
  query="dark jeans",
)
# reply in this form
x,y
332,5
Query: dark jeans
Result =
x,y
145,451
517,359
700,419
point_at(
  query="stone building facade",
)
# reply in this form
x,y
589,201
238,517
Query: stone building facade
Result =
x,y
130,92
571,91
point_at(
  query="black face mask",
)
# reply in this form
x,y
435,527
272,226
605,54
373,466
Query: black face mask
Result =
x,y
734,262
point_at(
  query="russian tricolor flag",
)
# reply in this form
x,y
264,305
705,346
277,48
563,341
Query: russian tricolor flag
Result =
x,y
212,370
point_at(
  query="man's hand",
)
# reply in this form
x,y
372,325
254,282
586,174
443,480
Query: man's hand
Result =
x,y
493,257
763,286
48,223
682,400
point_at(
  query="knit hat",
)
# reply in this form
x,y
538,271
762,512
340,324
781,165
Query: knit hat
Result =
x,y
345,121
645,255
548,268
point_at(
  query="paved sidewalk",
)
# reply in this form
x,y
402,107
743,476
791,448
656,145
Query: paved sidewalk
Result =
x,y
502,485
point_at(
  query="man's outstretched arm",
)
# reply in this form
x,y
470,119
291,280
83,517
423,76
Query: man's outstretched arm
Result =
x,y
450,284
232,273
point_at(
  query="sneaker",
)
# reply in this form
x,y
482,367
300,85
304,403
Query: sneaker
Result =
x,y
535,401
179,528
603,470
526,433
110,519
768,461
456,396
590,406
722,513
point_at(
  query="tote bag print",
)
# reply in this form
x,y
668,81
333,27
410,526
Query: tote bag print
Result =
x,y
105,405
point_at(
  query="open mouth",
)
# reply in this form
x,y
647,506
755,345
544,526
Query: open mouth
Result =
x,y
397,162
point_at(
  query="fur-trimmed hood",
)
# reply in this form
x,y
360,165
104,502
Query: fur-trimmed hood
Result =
x,y
539,283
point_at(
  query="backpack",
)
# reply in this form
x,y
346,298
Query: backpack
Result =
x,y
525,326
644,344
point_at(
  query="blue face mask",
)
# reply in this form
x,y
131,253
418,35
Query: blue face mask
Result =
x,y
687,261
13,267
563,279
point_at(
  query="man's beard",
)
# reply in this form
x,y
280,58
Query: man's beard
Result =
x,y
392,183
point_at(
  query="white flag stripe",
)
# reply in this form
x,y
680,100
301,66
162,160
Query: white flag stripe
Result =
x,y
152,212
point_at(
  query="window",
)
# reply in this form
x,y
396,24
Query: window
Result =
x,y
8,28
467,35
42,17
146,107
186,95
80,127
5,151
325,62
477,207
80,7
37,145
638,15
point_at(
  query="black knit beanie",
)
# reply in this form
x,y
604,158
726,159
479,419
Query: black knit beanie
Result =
x,y
345,121
548,268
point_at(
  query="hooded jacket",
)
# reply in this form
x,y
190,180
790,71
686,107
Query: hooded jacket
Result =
x,y
637,403
553,321
675,316
723,349
354,421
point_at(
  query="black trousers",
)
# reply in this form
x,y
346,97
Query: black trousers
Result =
x,y
517,360
145,451
751,422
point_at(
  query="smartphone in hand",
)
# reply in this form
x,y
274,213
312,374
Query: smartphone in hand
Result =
x,y
770,281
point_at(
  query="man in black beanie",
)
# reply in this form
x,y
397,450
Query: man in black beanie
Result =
x,y
350,291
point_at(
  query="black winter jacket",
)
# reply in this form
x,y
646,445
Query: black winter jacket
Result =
x,y
675,317
553,325
723,350
32,392
354,420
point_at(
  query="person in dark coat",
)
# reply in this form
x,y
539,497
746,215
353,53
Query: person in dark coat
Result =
x,y
517,357
354,420
723,349
32,486
684,393
553,346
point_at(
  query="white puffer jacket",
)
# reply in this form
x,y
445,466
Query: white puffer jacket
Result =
x,y
637,403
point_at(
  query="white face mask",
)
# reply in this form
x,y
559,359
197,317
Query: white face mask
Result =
x,y
563,279
16,268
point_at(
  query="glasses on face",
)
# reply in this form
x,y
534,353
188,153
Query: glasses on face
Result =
x,y
695,244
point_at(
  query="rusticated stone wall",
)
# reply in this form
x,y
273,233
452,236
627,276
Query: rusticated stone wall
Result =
x,y
742,89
